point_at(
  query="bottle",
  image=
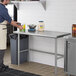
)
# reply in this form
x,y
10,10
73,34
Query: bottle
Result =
x,y
24,27
74,30
41,26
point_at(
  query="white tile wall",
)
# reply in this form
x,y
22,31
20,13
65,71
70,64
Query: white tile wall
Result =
x,y
59,16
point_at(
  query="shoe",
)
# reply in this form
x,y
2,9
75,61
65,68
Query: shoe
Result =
x,y
4,68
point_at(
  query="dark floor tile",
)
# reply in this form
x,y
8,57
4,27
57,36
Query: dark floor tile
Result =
x,y
14,72
6,74
28,74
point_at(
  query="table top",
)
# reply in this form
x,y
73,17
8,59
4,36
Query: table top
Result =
x,y
52,34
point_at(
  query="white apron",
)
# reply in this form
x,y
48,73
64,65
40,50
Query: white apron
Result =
x,y
3,35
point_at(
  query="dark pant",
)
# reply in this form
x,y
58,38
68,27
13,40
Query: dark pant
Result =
x,y
2,52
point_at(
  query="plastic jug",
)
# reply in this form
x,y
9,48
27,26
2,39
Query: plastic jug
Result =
x,y
41,26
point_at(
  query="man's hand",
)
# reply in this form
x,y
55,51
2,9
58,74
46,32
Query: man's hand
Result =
x,y
20,27
14,23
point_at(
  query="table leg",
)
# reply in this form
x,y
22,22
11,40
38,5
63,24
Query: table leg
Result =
x,y
28,48
18,49
56,57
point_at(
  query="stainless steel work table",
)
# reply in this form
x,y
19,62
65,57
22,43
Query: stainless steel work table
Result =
x,y
49,34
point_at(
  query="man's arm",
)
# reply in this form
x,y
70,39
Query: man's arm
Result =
x,y
6,16
14,23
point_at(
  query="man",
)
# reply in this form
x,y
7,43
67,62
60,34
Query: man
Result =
x,y
4,18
